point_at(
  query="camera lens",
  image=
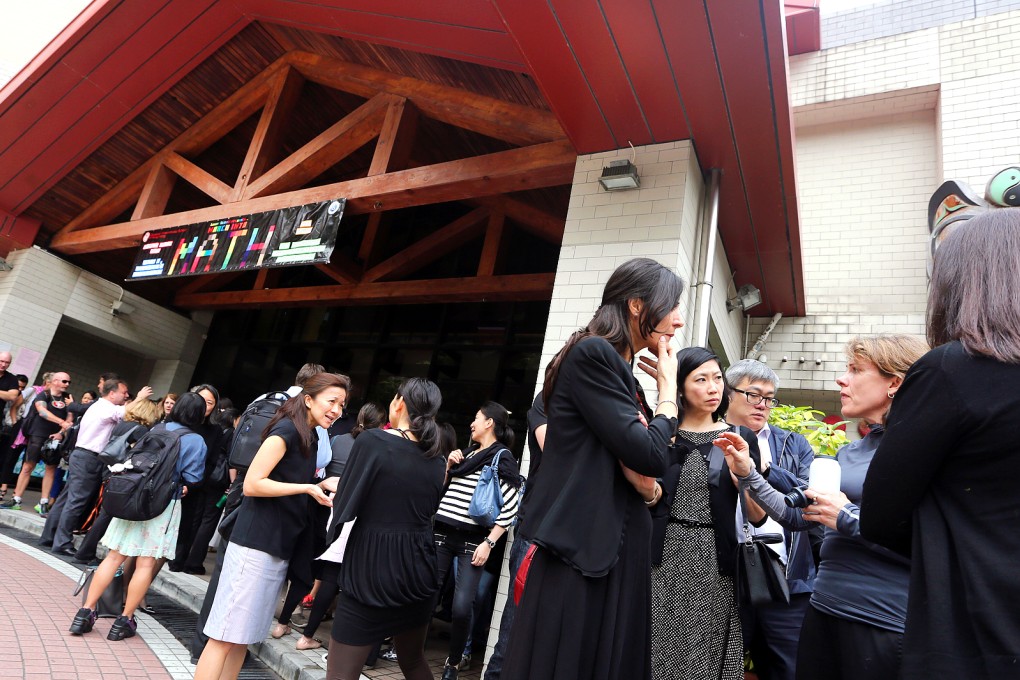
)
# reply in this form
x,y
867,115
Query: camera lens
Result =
x,y
797,499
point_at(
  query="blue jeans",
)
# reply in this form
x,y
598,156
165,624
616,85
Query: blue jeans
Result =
x,y
517,552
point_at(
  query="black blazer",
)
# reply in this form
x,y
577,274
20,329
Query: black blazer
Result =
x,y
722,499
581,504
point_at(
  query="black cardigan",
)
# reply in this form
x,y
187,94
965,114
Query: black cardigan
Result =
x,y
722,495
578,507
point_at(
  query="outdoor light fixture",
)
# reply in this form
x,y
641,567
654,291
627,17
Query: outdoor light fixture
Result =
x,y
620,175
748,296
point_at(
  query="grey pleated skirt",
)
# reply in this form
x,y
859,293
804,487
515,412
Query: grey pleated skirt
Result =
x,y
246,596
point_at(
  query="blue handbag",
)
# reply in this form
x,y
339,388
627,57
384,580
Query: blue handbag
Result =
x,y
487,500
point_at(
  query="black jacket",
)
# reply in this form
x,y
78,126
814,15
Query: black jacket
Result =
x,y
722,496
579,506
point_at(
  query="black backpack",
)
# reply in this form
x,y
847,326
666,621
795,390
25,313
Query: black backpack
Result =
x,y
248,435
149,480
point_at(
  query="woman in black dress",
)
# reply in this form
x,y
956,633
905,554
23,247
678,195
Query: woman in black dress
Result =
x,y
586,606
695,625
391,485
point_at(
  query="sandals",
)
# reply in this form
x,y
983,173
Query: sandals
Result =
x,y
279,630
304,643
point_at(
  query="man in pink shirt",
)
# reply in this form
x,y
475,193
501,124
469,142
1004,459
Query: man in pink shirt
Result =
x,y
85,470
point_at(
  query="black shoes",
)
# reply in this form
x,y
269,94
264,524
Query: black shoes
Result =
x,y
83,622
449,672
65,552
122,628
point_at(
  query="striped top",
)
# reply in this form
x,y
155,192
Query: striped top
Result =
x,y
453,508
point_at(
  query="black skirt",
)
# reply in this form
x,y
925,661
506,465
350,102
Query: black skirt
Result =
x,y
572,627
360,624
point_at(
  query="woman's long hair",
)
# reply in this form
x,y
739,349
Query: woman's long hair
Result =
x,y
500,422
973,292
422,399
369,417
295,409
687,361
657,286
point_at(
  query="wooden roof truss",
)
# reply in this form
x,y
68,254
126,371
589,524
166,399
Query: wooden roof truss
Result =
x,y
543,158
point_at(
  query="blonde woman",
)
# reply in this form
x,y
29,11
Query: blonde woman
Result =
x,y
854,627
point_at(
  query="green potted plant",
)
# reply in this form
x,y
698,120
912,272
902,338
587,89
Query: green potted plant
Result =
x,y
825,438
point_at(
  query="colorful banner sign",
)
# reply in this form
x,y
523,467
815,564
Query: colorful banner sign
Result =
x,y
299,235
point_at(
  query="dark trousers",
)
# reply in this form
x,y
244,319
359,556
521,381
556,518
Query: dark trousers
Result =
x,y
84,477
200,638
208,518
88,545
8,457
192,507
518,550
837,649
771,634
452,546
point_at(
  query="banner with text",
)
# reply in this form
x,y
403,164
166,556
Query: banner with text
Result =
x,y
299,235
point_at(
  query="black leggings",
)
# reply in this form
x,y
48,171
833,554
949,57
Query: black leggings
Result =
x,y
295,593
328,590
452,546
345,661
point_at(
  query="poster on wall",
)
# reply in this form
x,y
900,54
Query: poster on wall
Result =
x,y
298,235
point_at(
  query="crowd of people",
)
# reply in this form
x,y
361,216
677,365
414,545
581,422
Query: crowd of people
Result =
x,y
623,554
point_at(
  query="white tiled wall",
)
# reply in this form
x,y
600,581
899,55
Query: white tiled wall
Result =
x,y
44,293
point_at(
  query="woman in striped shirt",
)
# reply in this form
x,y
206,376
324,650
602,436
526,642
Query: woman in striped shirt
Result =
x,y
460,537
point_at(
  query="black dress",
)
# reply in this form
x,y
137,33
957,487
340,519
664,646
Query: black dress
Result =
x,y
388,581
586,608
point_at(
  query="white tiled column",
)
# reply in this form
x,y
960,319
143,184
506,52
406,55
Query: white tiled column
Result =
x,y
605,229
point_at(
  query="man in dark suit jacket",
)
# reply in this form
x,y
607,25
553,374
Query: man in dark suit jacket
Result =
x,y
771,632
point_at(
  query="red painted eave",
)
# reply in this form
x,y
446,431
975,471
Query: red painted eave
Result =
x,y
614,72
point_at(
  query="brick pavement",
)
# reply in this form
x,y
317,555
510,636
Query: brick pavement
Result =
x,y
38,607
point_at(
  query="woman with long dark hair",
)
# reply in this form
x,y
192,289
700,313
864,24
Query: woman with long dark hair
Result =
x,y
459,537
585,609
391,485
270,520
695,624
150,540
940,488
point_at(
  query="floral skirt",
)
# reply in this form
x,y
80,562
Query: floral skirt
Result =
x,y
156,537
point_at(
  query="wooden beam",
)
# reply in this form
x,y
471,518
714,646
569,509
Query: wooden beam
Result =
x,y
375,234
396,138
513,123
472,289
155,193
208,282
199,178
263,152
430,248
330,147
493,242
196,139
532,167
341,269
545,225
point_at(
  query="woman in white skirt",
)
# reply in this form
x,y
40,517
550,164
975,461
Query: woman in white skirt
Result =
x,y
271,518
150,540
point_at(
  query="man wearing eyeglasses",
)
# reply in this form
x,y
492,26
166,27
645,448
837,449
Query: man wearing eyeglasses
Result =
x,y
771,631
49,420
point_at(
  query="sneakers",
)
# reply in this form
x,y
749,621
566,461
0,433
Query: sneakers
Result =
x,y
465,663
42,508
389,655
83,622
13,504
122,628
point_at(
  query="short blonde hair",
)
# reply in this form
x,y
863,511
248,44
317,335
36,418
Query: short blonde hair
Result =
x,y
892,353
142,411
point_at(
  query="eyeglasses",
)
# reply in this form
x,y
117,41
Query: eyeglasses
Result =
x,y
753,398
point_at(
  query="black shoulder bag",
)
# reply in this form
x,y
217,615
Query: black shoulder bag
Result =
x,y
760,575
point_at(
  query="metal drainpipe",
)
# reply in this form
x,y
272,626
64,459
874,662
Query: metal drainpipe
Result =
x,y
703,282
759,344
